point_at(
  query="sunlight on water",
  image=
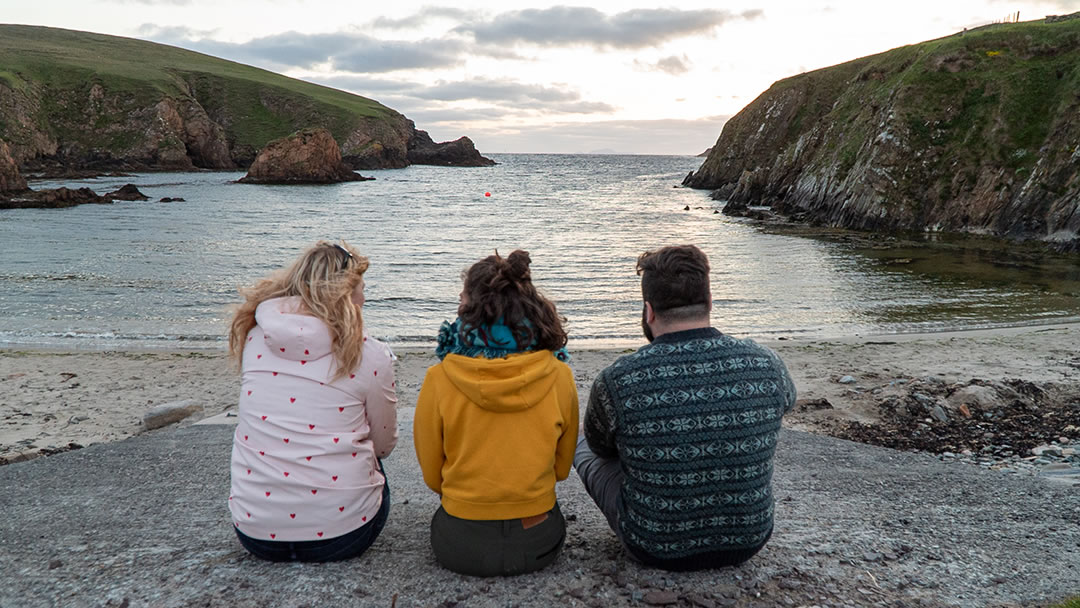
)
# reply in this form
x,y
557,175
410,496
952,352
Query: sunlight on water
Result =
x,y
164,274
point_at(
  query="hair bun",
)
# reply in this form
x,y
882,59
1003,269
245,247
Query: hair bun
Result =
x,y
518,265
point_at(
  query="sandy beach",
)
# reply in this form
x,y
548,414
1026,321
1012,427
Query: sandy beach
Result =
x,y
142,522
52,400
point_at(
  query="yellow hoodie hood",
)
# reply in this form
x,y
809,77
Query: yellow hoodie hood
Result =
x,y
515,383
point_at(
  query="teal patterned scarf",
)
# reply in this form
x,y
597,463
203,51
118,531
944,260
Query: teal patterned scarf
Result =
x,y
488,341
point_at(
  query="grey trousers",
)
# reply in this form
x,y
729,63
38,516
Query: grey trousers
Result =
x,y
496,547
602,478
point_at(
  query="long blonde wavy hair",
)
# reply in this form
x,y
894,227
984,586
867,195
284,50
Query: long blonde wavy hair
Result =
x,y
324,279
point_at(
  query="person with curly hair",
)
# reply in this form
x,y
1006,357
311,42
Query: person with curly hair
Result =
x,y
496,424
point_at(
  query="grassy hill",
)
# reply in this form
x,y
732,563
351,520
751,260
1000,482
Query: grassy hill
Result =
x,y
973,132
82,99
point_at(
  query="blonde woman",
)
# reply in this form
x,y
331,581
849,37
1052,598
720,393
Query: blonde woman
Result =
x,y
316,413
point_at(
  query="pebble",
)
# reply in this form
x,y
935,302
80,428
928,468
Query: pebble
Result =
x,y
660,598
847,380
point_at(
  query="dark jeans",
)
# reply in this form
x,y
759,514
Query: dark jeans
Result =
x,y
602,478
496,547
335,549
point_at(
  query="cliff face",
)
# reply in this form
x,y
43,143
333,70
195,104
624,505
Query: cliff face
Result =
x,y
976,132
76,100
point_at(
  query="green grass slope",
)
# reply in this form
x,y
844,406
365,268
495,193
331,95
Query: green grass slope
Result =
x,y
79,93
972,132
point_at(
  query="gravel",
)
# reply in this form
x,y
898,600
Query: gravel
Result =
x,y
143,522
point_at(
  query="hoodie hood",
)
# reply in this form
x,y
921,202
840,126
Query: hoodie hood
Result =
x,y
512,384
289,334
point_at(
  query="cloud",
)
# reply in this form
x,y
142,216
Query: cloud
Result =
x,y
570,26
345,51
156,2
673,65
423,16
511,96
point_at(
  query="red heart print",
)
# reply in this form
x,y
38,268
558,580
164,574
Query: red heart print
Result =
x,y
341,509
268,494
314,491
334,478
249,393
264,417
364,518
250,337
286,473
275,373
286,439
306,352
262,453
249,515
319,533
249,473
292,515
292,399
245,437
354,454
376,372
311,427
273,536
258,356
341,409
393,384
309,458
282,349
351,376
336,439
302,362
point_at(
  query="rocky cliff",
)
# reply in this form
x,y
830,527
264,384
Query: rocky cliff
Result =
x,y
10,178
976,132
77,100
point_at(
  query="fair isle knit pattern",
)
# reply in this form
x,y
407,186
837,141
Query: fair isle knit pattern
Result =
x,y
694,417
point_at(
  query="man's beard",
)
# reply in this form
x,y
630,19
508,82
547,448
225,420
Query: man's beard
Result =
x,y
645,325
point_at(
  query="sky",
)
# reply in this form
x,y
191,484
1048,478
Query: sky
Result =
x,y
541,77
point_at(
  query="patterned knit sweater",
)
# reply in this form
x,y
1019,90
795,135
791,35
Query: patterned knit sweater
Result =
x,y
693,418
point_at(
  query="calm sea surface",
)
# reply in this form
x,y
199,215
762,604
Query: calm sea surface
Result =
x,y
149,274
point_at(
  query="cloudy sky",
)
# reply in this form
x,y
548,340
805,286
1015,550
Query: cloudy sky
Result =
x,y
629,77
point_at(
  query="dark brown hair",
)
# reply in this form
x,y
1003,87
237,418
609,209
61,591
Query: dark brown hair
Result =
x,y
500,290
675,281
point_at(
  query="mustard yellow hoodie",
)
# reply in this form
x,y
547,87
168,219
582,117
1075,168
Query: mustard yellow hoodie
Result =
x,y
493,435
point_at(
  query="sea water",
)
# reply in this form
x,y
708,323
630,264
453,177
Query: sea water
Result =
x,y
153,274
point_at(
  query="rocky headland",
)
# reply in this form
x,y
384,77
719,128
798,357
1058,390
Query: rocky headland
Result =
x,y
81,102
310,156
973,133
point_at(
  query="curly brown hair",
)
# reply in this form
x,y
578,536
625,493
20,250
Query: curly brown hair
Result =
x,y
500,290
324,278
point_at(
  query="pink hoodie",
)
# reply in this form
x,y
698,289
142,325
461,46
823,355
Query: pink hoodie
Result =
x,y
303,458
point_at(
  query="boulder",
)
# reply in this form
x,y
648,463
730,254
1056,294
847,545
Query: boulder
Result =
x,y
127,192
981,397
10,179
309,156
458,153
168,413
